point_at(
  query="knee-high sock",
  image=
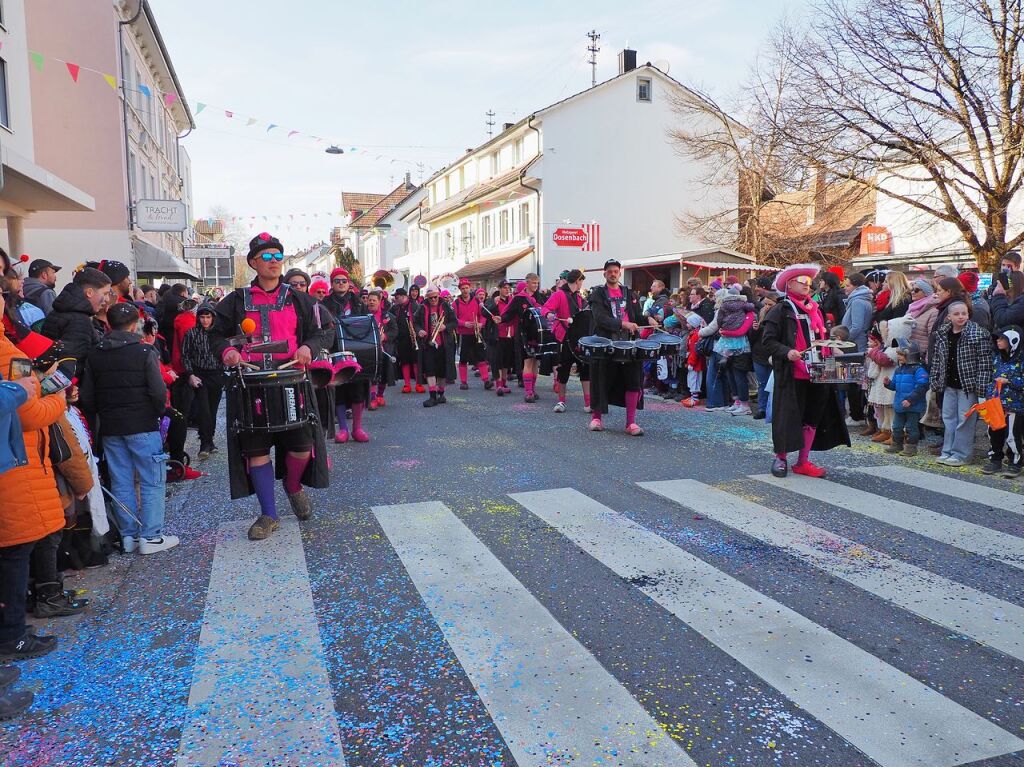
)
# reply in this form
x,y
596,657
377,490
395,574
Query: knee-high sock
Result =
x,y
530,382
805,451
586,393
293,469
562,391
407,374
339,416
263,483
632,397
485,373
357,415
463,372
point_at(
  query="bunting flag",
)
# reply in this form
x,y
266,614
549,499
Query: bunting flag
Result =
x,y
228,114
200,106
292,133
250,122
169,98
145,91
73,70
111,81
37,59
271,127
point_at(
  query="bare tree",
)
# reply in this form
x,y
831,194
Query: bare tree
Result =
x,y
346,259
919,100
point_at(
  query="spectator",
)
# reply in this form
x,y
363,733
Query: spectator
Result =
x,y
168,309
980,313
961,367
899,297
859,310
151,298
923,310
942,272
120,279
71,320
1006,304
40,283
1008,372
759,354
205,375
909,383
701,304
832,303
29,314
1010,262
182,395
123,388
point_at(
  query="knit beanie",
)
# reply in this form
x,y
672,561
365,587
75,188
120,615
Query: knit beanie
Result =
x,y
923,285
969,280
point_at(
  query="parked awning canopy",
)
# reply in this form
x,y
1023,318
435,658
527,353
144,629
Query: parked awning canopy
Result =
x,y
157,262
485,267
739,267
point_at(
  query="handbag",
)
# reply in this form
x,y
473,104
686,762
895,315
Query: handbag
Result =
x,y
705,346
60,450
990,411
360,335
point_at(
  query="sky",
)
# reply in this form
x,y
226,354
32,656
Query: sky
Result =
x,y
406,84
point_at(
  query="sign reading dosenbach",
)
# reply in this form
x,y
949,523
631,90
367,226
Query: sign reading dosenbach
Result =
x,y
161,216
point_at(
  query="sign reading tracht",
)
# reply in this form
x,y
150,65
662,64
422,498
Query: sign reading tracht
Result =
x,y
161,216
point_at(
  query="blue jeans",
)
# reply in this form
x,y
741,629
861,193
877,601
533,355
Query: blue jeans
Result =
x,y
738,382
762,372
141,454
714,382
906,421
958,441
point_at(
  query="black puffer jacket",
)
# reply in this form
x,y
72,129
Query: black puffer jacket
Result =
x,y
71,322
122,385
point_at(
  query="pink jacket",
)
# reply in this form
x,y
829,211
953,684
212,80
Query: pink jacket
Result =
x,y
558,305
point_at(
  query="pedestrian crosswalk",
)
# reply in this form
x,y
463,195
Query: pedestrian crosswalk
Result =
x,y
555,700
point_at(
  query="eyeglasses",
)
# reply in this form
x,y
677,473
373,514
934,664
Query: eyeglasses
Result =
x,y
339,281
267,256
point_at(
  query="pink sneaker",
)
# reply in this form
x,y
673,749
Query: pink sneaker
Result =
x,y
808,469
596,425
634,431
341,436
360,436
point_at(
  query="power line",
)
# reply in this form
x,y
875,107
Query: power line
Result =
x,y
593,49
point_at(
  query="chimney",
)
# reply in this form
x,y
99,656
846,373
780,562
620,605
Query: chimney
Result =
x,y
627,61
408,178
508,125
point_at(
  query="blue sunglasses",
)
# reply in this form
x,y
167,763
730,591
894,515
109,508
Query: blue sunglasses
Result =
x,y
272,256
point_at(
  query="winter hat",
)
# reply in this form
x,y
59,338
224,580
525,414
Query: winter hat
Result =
x,y
1013,336
923,285
400,292
732,279
339,272
716,284
262,241
521,286
464,282
694,321
969,280
735,289
115,270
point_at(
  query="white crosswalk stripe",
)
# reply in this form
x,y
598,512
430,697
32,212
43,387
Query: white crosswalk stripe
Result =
x,y
550,698
955,488
843,686
965,610
939,527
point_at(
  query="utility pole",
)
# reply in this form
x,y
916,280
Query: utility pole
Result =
x,y
490,123
593,49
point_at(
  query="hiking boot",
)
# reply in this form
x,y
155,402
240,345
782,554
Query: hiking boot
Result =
x,y
14,703
894,446
8,676
1012,471
52,602
29,646
909,450
992,467
263,527
432,402
301,505
869,430
441,399
882,436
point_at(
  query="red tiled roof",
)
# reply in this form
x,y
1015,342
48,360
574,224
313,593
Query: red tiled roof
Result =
x,y
382,207
359,201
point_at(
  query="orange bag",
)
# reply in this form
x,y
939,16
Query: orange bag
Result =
x,y
991,410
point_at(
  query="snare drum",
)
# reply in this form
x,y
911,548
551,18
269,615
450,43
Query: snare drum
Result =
x,y
538,338
670,345
270,400
335,369
594,348
623,351
646,349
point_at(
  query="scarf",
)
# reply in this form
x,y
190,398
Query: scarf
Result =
x,y
921,305
810,308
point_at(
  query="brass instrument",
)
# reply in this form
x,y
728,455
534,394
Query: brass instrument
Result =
x,y
476,331
412,330
437,327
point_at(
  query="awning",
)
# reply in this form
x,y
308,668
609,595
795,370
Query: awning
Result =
x,y
157,262
486,267
739,267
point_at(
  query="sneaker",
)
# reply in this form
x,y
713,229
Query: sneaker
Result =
x,y
760,415
14,703
52,602
779,467
301,506
341,436
203,454
156,545
634,430
691,402
559,407
741,409
406,390
380,401
129,544
955,462
464,387
894,447
851,422
372,404
29,646
1012,471
719,408
263,527
992,467
8,676
596,425
942,459
358,435
420,389
808,469
588,409
530,398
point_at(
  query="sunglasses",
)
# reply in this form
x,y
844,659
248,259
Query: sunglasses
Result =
x,y
339,281
267,256
298,284
917,290
803,280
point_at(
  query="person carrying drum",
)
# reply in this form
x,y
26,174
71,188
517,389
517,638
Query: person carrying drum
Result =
x,y
388,331
342,302
563,310
469,316
435,318
513,313
273,311
618,315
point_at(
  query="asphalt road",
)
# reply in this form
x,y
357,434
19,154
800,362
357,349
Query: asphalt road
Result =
x,y
489,583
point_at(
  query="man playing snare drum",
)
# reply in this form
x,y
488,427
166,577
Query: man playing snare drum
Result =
x,y
269,310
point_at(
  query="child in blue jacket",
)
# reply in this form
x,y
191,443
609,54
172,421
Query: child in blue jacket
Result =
x,y
1008,369
910,382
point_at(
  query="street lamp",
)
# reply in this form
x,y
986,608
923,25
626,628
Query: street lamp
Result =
x,y
333,149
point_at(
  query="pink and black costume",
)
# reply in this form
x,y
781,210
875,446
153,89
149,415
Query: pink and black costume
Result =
x,y
406,348
355,394
471,351
615,383
512,313
434,356
566,305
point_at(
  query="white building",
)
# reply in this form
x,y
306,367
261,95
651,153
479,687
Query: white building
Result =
x,y
591,177
386,245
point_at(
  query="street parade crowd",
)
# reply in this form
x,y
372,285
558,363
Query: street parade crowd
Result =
x,y
103,380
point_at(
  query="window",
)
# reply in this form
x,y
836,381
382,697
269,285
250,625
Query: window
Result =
x,y
462,178
519,150
464,238
494,163
643,89
524,221
139,103
437,244
486,232
5,114
447,187
505,225
132,178
449,242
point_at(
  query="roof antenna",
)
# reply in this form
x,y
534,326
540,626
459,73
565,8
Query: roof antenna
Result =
x,y
593,49
490,123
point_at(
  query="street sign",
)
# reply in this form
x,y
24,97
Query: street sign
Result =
x,y
585,237
208,251
161,215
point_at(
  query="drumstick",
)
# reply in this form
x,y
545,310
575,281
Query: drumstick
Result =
x,y
248,365
287,365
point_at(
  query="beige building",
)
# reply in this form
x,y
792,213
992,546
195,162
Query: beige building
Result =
x,y
31,182
121,145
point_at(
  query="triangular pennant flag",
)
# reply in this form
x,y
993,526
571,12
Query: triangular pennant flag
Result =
x,y
292,133
111,81
145,91
169,98
228,114
271,127
73,70
200,106
251,121
37,59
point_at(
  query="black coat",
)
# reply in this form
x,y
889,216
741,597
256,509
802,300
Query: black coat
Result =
x,y
419,323
832,302
608,379
71,322
123,386
779,337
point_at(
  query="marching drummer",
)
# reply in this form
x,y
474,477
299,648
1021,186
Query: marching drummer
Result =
x,y
269,310
469,315
618,315
344,301
563,309
523,299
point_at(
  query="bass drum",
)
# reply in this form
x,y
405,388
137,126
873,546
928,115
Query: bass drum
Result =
x,y
360,336
538,339
581,327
